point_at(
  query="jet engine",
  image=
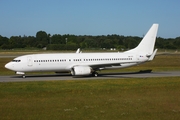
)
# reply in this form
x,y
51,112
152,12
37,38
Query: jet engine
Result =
x,y
81,70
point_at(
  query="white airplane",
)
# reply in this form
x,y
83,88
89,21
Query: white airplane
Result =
x,y
83,64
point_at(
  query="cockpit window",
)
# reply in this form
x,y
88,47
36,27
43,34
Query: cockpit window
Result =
x,y
16,60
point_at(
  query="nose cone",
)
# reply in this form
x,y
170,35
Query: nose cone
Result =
x,y
9,66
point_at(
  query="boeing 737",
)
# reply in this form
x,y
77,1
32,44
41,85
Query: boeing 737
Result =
x,y
83,64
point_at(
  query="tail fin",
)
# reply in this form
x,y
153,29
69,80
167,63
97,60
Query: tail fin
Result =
x,y
148,42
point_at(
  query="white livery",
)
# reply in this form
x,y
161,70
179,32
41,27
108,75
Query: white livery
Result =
x,y
86,63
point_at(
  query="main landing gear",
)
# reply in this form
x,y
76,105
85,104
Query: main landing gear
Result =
x,y
23,76
95,74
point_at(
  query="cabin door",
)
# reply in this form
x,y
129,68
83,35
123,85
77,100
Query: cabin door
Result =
x,y
29,61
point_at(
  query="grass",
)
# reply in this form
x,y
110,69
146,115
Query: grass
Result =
x,y
126,98
137,98
3,70
163,63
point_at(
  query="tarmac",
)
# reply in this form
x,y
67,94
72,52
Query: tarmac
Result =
x,y
64,76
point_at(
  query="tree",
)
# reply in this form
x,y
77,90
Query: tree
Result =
x,y
30,41
3,41
107,43
177,42
130,42
56,39
64,42
42,39
16,42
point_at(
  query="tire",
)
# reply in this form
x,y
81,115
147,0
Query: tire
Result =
x,y
95,74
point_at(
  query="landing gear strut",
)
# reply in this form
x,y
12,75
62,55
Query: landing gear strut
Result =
x,y
23,76
95,74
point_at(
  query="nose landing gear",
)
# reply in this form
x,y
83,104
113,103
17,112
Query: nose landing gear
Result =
x,y
21,73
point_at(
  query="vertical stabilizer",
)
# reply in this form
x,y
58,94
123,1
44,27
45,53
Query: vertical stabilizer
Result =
x,y
148,42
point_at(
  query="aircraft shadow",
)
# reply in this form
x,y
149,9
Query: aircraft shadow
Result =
x,y
44,75
99,75
126,73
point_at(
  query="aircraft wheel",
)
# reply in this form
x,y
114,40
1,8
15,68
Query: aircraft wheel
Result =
x,y
95,74
24,76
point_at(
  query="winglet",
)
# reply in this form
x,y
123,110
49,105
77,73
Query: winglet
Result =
x,y
153,55
78,50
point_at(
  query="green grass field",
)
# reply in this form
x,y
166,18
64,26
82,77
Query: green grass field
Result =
x,y
124,98
135,98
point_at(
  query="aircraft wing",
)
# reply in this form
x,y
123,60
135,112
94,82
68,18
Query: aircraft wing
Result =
x,y
94,66
103,65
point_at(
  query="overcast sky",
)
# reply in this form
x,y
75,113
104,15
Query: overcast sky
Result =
x,y
89,17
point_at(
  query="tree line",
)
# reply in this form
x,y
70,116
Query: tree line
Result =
x,y
72,42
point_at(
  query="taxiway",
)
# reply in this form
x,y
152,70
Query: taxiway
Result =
x,y
16,78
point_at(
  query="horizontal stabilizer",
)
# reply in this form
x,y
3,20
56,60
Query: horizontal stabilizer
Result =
x,y
153,55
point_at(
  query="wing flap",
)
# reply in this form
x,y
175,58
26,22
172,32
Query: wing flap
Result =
x,y
95,66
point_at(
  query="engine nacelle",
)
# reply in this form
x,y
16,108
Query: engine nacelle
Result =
x,y
81,70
